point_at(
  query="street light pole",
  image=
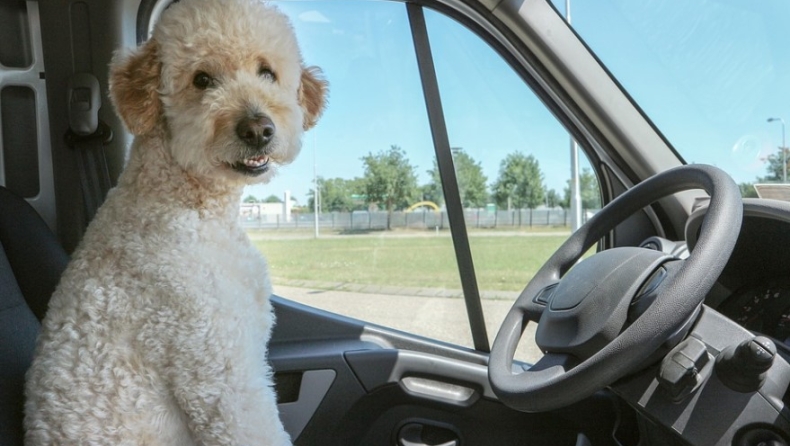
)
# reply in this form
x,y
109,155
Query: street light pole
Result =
x,y
316,194
575,198
783,149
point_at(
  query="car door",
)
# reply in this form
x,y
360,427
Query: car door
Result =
x,y
387,302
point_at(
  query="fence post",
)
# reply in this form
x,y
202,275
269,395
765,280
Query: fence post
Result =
x,y
530,217
565,217
278,221
548,217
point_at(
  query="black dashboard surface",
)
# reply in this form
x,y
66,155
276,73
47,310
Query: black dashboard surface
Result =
x,y
754,288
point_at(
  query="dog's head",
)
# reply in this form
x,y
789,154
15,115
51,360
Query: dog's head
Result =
x,y
224,81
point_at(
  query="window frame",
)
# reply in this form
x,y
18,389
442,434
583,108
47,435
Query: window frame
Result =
x,y
444,161
443,151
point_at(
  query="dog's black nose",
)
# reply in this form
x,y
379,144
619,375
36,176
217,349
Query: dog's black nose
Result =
x,y
255,130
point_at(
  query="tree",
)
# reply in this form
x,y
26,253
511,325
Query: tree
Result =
x,y
250,199
471,181
774,168
336,194
432,192
588,188
775,173
747,190
389,180
520,182
553,199
272,199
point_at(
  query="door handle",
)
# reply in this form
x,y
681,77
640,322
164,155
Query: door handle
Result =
x,y
418,434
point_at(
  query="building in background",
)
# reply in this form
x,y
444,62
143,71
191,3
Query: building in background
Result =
x,y
268,212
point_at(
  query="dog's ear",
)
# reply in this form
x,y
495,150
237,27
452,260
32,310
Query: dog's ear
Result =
x,y
312,95
134,81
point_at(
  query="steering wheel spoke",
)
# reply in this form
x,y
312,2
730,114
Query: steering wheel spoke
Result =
x,y
555,363
533,300
654,287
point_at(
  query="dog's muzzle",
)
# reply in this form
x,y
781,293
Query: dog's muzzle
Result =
x,y
256,131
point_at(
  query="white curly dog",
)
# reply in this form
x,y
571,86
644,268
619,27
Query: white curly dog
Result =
x,y
158,331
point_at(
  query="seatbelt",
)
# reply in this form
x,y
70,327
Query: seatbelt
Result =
x,y
87,136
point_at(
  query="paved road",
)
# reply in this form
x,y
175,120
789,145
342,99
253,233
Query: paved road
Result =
x,y
437,317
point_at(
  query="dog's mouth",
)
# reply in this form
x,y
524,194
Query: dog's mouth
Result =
x,y
253,166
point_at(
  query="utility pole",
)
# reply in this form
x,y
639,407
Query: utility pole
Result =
x,y
576,200
315,184
783,149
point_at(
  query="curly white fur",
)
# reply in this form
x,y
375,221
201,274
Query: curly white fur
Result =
x,y
157,333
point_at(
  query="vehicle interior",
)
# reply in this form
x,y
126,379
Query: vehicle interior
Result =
x,y
672,332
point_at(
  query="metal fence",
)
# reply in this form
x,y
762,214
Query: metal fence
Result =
x,y
363,220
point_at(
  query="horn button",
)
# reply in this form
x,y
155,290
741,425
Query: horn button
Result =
x,y
589,307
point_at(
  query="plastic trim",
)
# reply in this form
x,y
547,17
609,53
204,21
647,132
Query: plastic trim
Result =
x,y
33,78
296,415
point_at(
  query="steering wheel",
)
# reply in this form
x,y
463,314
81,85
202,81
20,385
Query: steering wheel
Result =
x,y
604,317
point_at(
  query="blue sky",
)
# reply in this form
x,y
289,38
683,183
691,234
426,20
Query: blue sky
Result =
x,y
708,73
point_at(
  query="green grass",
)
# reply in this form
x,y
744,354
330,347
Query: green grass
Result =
x,y
502,262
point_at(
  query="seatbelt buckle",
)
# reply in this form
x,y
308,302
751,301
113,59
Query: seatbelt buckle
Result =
x,y
84,102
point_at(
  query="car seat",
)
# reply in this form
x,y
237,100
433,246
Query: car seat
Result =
x,y
31,263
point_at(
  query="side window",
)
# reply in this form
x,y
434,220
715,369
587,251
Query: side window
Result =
x,y
374,242
512,160
373,253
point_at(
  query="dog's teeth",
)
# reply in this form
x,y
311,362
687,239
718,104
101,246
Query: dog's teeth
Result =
x,y
255,162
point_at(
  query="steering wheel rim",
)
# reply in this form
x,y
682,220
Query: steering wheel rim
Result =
x,y
560,379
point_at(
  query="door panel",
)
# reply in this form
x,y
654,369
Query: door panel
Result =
x,y
345,382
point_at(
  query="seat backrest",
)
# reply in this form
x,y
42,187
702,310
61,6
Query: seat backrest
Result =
x,y
31,262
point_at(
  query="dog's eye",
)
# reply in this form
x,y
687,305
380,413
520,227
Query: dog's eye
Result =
x,y
267,73
202,80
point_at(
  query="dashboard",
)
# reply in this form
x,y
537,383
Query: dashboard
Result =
x,y
763,307
754,288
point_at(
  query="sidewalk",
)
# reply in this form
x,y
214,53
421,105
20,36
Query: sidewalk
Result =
x,y
436,314
394,290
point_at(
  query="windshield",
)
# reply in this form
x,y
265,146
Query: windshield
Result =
x,y
713,75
